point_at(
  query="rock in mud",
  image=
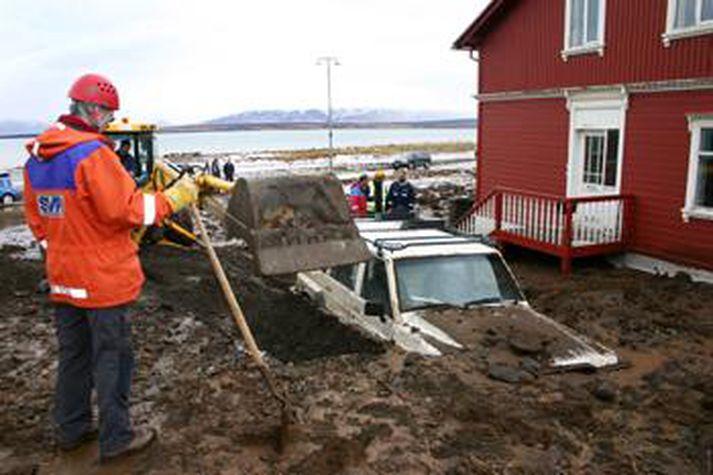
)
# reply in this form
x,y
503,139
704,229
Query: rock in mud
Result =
x,y
491,338
507,374
531,365
528,344
412,359
605,391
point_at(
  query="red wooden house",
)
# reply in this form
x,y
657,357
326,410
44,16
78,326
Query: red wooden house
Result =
x,y
595,130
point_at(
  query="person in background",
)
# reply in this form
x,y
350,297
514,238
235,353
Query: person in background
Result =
x,y
401,198
358,196
215,168
229,170
81,206
379,192
127,160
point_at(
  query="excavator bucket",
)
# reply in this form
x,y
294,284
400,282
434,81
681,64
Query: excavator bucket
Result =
x,y
294,223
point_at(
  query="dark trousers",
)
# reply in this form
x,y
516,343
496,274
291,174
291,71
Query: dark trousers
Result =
x,y
378,196
399,211
95,351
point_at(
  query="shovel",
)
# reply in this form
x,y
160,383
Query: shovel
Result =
x,y
289,417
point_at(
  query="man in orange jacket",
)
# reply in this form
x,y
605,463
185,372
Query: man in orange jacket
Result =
x,y
81,206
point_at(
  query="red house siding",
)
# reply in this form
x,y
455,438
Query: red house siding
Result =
x,y
523,145
656,171
523,51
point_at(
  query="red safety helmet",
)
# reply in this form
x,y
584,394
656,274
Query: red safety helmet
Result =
x,y
95,89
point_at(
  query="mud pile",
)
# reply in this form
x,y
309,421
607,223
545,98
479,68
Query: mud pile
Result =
x,y
437,199
367,408
286,326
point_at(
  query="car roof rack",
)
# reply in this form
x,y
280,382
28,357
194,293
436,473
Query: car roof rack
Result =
x,y
388,225
404,242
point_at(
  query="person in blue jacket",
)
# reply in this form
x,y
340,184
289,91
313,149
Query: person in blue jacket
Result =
x,y
400,199
127,160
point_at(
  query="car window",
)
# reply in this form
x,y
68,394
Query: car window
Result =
x,y
376,287
346,275
454,280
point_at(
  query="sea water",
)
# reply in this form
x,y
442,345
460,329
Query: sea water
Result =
x,y
12,151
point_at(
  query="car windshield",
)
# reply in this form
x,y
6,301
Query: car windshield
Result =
x,y
460,281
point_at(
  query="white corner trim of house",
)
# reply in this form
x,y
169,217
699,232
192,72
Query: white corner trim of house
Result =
x,y
655,266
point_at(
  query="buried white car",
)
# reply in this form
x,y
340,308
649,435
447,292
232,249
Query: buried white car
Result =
x,y
431,292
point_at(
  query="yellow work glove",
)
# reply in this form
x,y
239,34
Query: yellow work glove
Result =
x,y
181,194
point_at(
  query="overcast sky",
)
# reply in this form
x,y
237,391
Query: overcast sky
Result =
x,y
190,61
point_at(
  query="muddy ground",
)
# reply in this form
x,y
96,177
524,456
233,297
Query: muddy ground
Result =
x,y
367,408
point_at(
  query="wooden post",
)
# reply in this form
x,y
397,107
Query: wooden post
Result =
x,y
498,211
566,257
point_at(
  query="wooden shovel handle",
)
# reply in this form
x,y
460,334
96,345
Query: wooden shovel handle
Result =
x,y
235,309
289,416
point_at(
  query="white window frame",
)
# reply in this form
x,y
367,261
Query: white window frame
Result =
x,y
690,210
673,33
613,102
602,174
587,48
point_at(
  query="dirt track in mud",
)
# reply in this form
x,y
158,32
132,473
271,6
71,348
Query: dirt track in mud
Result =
x,y
367,408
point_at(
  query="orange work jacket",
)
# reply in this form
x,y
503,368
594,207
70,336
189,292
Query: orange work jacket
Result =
x,y
81,205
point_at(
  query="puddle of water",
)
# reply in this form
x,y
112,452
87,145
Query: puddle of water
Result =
x,y
641,363
14,232
11,216
21,237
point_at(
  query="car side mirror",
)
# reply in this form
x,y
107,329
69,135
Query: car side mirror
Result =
x,y
373,308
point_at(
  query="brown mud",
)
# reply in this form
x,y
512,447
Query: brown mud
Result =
x,y
367,408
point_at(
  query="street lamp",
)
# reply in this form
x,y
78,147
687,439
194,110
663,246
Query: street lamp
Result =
x,y
329,61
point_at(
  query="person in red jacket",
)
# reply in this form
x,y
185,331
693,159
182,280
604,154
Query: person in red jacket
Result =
x,y
81,205
358,196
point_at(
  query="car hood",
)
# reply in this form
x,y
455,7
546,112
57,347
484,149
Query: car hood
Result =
x,y
507,335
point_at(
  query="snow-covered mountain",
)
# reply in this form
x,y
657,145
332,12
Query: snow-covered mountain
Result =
x,y
344,116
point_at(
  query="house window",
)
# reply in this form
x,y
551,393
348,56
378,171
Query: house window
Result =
x,y
584,27
699,192
601,157
688,18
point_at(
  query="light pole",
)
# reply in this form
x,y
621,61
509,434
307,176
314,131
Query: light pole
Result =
x,y
329,61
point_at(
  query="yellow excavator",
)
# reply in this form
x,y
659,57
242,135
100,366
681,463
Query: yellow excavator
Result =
x,y
291,223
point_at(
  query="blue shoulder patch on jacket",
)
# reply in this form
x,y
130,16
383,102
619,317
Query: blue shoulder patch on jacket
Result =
x,y
57,173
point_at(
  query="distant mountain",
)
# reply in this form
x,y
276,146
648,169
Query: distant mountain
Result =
x,y
16,127
291,119
270,117
339,116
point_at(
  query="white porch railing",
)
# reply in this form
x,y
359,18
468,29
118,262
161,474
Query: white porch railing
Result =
x,y
562,226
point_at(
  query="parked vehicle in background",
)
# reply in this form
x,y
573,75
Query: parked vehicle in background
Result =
x,y
413,160
429,291
10,191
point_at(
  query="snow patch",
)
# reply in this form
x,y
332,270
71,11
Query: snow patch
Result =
x,y
20,237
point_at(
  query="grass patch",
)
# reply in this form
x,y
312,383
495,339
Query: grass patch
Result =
x,y
377,150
